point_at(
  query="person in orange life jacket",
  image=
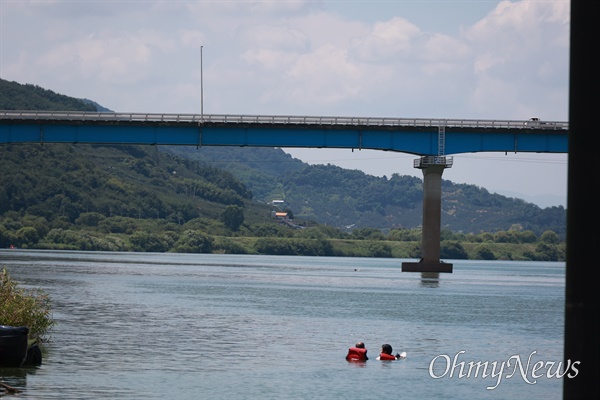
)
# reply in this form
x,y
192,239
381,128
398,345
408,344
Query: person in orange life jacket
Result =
x,y
386,353
357,353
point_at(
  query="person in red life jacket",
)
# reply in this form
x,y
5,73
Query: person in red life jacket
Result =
x,y
386,353
357,353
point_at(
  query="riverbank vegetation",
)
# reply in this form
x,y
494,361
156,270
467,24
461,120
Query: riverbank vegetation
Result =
x,y
231,235
25,307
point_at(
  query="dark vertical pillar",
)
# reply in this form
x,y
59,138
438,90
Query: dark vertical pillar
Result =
x,y
582,316
432,213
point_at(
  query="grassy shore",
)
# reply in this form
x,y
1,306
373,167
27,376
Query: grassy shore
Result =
x,y
410,249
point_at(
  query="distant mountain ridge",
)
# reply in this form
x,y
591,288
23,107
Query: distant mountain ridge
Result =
x,y
340,197
542,200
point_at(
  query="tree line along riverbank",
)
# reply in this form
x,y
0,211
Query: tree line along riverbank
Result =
x,y
232,235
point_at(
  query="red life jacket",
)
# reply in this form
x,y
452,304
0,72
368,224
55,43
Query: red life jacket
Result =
x,y
384,356
357,354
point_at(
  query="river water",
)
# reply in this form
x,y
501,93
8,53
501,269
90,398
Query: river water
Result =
x,y
199,326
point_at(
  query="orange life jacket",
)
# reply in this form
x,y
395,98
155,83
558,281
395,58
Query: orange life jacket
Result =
x,y
358,354
384,356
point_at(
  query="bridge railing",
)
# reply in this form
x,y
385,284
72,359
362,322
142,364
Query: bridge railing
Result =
x,y
427,161
277,119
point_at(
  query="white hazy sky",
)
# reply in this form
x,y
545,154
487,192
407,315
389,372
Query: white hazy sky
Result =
x,y
471,59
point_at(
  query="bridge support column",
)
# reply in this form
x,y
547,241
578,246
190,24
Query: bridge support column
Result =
x,y
433,168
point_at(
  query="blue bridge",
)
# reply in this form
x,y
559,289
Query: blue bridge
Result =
x,y
420,136
431,139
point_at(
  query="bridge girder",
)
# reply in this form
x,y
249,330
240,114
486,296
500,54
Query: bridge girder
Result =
x,y
419,137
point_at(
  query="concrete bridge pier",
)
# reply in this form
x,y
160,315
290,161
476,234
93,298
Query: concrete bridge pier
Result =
x,y
433,168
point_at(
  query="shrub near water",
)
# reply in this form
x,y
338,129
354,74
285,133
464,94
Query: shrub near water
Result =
x,y
20,307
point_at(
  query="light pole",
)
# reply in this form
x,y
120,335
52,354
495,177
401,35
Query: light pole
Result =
x,y
201,89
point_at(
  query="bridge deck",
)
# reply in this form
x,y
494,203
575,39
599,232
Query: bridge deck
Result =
x,y
411,135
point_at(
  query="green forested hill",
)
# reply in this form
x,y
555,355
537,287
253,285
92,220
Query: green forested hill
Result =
x,y
64,181
15,96
340,197
263,170
89,196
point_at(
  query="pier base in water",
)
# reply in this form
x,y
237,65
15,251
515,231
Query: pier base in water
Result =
x,y
427,266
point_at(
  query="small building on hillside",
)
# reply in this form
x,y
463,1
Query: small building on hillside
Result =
x,y
279,215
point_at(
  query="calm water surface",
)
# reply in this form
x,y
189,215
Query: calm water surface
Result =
x,y
182,326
